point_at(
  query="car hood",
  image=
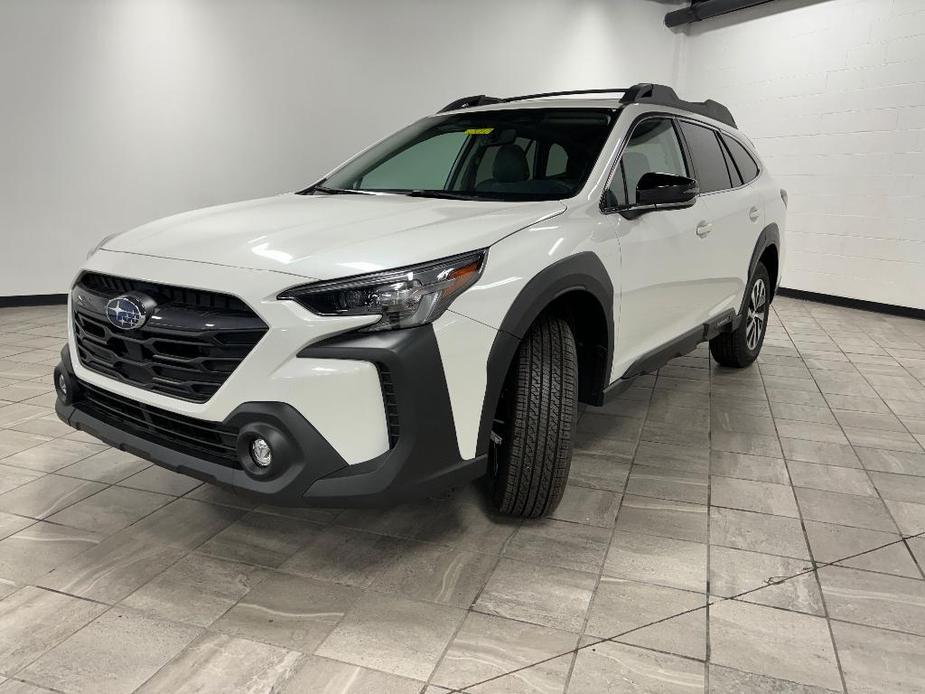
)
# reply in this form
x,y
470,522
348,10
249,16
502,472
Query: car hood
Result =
x,y
330,236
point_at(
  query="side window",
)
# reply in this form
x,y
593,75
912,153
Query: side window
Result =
x,y
653,146
556,161
744,162
709,164
731,168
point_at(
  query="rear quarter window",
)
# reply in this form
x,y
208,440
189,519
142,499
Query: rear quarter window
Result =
x,y
744,162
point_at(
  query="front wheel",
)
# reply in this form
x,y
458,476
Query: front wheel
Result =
x,y
741,347
531,438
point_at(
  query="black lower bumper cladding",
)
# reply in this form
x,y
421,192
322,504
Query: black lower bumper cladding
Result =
x,y
306,470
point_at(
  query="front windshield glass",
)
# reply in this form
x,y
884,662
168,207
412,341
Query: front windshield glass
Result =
x,y
522,154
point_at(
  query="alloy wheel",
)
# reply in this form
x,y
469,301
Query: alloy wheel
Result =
x,y
757,310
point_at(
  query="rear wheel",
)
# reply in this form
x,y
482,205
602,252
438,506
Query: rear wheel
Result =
x,y
531,438
741,347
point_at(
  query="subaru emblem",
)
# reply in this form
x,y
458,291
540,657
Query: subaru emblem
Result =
x,y
128,312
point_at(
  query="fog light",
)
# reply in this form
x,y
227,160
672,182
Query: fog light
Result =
x,y
62,385
261,453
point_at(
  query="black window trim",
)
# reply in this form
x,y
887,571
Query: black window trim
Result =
x,y
660,115
717,132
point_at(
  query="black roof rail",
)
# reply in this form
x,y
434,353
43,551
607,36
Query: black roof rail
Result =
x,y
643,93
661,95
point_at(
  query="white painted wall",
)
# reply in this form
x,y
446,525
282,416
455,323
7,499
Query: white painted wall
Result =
x,y
833,94
115,112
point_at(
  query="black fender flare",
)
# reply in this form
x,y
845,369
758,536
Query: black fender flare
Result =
x,y
769,236
582,271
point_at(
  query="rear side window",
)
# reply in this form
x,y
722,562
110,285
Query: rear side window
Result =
x,y
709,163
744,162
653,146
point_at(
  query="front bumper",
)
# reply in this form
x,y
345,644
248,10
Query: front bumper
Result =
x,y
307,469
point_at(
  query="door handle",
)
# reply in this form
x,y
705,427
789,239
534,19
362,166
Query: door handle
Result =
x,y
754,213
704,228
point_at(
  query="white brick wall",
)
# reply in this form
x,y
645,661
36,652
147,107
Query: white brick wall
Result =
x,y
833,95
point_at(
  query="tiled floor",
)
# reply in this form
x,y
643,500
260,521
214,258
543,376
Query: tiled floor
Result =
x,y
723,531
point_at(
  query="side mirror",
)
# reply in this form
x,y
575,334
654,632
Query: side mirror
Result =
x,y
659,191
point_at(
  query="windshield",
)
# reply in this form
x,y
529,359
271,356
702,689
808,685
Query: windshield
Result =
x,y
523,154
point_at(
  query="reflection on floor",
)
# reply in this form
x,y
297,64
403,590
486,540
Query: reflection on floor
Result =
x,y
727,531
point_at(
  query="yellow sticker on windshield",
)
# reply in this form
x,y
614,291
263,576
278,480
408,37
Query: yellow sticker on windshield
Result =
x,y
479,131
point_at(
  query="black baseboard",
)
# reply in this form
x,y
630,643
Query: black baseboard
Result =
x,y
874,306
33,300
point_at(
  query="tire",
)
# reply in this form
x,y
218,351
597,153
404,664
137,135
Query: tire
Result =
x,y
531,439
741,347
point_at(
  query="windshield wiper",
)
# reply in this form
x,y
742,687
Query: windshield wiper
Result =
x,y
336,191
445,194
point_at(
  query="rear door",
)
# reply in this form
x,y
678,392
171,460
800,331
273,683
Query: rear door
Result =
x,y
663,293
736,214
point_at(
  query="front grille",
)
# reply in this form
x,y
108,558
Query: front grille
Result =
x,y
201,439
188,348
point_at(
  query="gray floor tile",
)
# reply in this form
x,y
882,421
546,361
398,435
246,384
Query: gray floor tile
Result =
x,y
566,545
614,668
747,495
110,510
14,477
674,485
658,560
664,455
875,660
393,634
889,440
831,478
643,610
488,647
539,594
112,569
783,582
844,509
909,517
772,642
749,467
32,621
860,549
674,519
53,455
260,538
10,524
217,663
724,680
820,452
899,487
47,495
113,655
598,472
802,413
289,611
900,462
109,467
873,599
344,556
588,506
197,590
162,481
185,524
751,444
12,442
32,552
437,574
322,675
758,532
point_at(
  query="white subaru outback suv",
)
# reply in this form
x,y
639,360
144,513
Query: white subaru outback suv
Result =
x,y
433,310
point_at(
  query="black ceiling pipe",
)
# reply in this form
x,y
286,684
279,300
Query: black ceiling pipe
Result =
x,y
704,9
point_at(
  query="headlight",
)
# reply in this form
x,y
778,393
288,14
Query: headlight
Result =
x,y
100,244
404,298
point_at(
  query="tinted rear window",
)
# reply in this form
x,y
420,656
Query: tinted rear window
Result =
x,y
709,163
744,162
